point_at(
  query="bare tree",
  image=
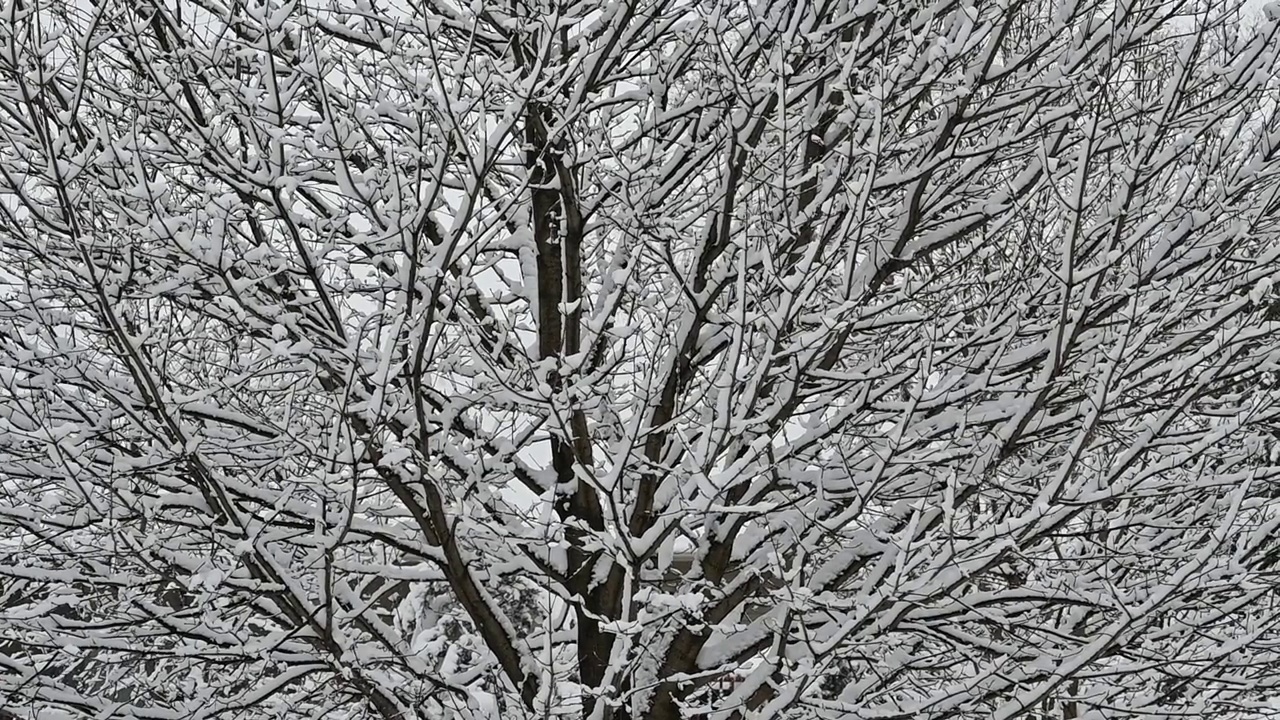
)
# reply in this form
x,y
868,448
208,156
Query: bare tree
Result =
x,y
638,360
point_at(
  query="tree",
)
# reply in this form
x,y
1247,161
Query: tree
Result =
x,y
909,359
